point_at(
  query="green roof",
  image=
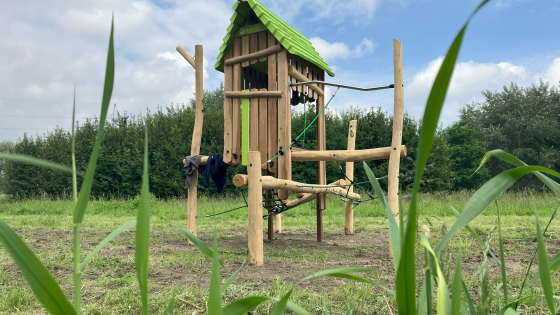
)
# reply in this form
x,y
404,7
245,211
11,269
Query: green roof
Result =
x,y
289,37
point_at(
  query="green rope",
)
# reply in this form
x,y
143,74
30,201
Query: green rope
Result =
x,y
303,132
213,215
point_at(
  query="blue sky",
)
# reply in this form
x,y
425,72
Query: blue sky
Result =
x,y
46,48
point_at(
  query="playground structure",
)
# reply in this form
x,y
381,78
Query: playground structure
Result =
x,y
268,66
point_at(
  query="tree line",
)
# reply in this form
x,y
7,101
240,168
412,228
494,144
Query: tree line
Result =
x,y
524,121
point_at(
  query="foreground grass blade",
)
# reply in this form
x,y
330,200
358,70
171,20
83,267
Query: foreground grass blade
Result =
x,y
197,242
297,309
502,258
394,231
544,268
443,302
485,195
40,280
468,299
330,272
143,231
85,191
406,273
34,161
512,159
242,306
105,241
169,310
215,297
74,179
456,294
281,305
230,280
554,265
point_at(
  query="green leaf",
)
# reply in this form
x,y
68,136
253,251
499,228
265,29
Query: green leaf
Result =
x,y
74,180
85,191
242,306
143,231
394,231
485,195
297,309
456,294
105,241
423,300
544,268
329,272
468,299
554,264
34,161
281,305
197,242
508,309
215,297
230,280
502,259
40,280
443,302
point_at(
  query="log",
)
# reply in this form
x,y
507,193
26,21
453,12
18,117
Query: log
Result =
x,y
255,94
321,146
348,208
236,111
228,109
263,129
303,198
262,53
272,108
301,78
345,155
186,55
269,182
255,237
283,119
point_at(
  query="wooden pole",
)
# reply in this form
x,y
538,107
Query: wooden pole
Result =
x,y
186,55
283,118
254,93
259,54
395,158
228,109
321,165
196,138
348,208
256,256
345,155
236,111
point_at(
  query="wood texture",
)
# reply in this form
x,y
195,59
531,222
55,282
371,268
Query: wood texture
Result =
x,y
345,155
255,94
263,128
236,111
262,44
395,158
254,123
228,107
244,49
186,55
253,46
283,118
302,78
272,108
348,208
255,248
321,144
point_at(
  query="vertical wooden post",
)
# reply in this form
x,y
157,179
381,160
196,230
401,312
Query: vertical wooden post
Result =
x,y
348,211
278,223
236,112
283,119
270,219
228,108
395,159
272,107
256,256
321,165
196,138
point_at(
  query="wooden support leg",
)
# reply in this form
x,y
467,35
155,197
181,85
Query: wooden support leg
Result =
x,y
319,223
270,227
278,223
348,208
191,206
256,256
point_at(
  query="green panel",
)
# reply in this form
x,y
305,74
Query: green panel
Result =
x,y
250,29
244,129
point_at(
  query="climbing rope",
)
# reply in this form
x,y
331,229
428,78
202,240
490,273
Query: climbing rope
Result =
x,y
294,141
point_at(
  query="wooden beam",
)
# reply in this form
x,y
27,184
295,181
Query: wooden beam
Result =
x,y
262,44
283,119
254,94
263,128
348,207
254,46
321,146
255,248
303,198
228,108
262,53
272,108
269,182
186,55
345,155
395,155
236,111
301,78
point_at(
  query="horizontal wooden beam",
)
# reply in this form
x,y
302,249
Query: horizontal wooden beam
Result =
x,y
305,198
256,94
345,156
301,78
269,182
261,53
186,55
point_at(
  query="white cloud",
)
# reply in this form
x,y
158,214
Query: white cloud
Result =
x,y
552,74
330,51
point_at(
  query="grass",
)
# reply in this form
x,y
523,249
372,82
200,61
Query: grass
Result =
x,y
109,284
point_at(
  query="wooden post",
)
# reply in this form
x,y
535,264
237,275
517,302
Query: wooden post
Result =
x,y
196,138
283,119
395,159
236,112
348,208
228,108
256,256
321,165
272,108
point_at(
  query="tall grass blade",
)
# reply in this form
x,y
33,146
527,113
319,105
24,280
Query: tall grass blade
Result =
x,y
485,195
74,179
544,268
169,310
443,301
406,273
425,300
456,293
215,296
297,309
230,280
143,231
34,161
502,258
105,241
197,242
511,159
394,231
281,305
554,265
242,306
40,280
85,191
468,299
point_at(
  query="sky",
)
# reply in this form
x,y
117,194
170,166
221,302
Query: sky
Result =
x,y
48,47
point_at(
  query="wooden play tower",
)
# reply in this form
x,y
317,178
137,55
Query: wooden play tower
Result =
x,y
267,66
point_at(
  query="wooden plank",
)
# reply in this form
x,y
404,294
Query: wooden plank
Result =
x,y
345,155
254,123
395,159
259,54
186,55
245,49
283,118
297,65
255,93
305,88
272,108
254,46
236,111
255,247
348,208
228,107
262,44
263,128
311,76
302,78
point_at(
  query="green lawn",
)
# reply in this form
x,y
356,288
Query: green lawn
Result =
x,y
109,281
